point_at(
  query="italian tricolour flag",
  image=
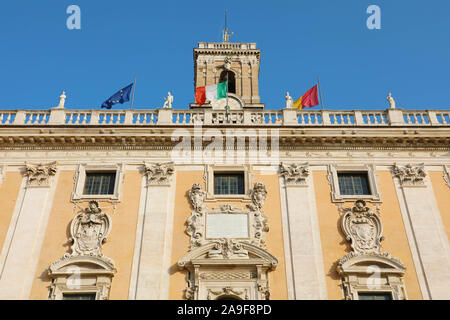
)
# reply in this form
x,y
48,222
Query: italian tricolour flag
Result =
x,y
210,93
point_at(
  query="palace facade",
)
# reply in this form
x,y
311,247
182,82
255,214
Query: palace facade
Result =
x,y
225,201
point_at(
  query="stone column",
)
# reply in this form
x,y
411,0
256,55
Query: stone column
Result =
x,y
153,241
425,231
26,232
302,235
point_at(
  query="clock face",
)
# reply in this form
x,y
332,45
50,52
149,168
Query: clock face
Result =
x,y
233,103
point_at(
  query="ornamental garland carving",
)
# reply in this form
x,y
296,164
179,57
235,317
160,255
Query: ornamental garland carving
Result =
x,y
295,174
159,173
228,275
228,249
409,175
39,174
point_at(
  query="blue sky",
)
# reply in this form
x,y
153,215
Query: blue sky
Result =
x,y
300,40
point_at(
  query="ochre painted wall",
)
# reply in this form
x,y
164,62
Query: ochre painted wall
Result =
x,y
274,240
334,245
120,243
180,240
121,240
9,190
396,241
442,194
183,209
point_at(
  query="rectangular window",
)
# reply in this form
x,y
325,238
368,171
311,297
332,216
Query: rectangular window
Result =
x,y
99,183
228,183
353,184
78,296
375,296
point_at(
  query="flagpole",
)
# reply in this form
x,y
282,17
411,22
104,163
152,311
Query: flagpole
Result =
x,y
227,107
320,92
134,89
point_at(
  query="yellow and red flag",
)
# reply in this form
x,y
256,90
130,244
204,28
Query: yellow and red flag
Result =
x,y
308,100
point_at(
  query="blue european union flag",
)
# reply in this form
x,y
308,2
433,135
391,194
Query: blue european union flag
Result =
x,y
120,96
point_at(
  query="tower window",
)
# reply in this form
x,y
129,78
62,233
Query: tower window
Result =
x,y
231,80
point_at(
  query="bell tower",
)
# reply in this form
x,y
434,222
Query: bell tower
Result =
x,y
238,63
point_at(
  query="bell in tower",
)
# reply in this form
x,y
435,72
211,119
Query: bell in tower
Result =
x,y
236,63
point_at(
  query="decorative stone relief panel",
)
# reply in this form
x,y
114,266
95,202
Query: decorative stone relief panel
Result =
x,y
366,268
89,230
39,175
159,173
363,228
211,256
410,176
197,222
295,174
85,269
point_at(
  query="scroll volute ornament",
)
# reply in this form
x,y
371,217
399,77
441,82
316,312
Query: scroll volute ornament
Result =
x,y
362,227
89,230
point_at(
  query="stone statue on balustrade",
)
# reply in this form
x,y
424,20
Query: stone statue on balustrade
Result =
x,y
391,101
168,101
289,101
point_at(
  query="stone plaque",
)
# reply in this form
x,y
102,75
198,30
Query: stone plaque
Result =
x,y
226,226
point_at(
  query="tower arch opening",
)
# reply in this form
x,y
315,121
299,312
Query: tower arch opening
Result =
x,y
229,76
